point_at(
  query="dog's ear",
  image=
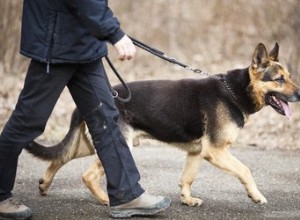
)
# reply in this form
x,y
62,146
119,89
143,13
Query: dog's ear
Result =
x,y
273,55
260,55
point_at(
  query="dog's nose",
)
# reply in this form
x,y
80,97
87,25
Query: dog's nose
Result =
x,y
298,95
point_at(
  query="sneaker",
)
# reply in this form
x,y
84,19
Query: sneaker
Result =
x,y
13,209
144,205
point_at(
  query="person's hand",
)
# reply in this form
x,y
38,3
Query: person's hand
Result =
x,y
125,48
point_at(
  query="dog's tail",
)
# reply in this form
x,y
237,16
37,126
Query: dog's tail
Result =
x,y
56,151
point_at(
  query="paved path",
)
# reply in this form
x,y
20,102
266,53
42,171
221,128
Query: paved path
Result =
x,y
277,174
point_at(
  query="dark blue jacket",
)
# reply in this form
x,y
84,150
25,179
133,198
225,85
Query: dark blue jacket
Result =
x,y
67,31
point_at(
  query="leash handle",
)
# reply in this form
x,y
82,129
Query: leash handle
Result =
x,y
114,92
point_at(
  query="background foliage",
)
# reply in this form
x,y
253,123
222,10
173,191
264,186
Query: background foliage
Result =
x,y
214,36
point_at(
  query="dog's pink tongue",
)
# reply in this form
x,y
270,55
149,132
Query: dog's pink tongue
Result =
x,y
287,110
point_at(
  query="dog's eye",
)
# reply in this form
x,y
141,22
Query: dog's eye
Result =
x,y
280,79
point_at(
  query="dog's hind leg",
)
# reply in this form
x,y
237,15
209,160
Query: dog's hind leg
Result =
x,y
92,177
224,160
188,175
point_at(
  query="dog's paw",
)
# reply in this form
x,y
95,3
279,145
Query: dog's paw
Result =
x,y
103,199
105,202
42,188
259,199
190,201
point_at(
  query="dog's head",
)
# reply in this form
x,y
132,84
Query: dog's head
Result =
x,y
271,83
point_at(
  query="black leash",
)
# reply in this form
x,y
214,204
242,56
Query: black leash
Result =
x,y
163,56
114,92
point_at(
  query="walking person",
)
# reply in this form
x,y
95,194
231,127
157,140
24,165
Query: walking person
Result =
x,y
66,40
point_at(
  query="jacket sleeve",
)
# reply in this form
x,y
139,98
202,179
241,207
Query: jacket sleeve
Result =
x,y
97,17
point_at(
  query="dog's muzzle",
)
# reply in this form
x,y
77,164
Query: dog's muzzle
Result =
x,y
280,102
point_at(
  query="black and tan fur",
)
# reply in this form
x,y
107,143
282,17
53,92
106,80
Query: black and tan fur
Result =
x,y
199,116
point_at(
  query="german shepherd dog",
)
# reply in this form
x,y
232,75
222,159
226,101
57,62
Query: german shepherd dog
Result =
x,y
200,116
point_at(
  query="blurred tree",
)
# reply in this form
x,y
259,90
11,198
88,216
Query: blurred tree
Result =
x,y
187,28
10,23
293,22
212,35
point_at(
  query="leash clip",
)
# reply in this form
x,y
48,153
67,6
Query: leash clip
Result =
x,y
115,94
198,71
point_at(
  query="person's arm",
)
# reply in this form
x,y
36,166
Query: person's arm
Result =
x,y
97,17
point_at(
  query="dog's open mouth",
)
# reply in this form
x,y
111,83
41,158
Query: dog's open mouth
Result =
x,y
280,105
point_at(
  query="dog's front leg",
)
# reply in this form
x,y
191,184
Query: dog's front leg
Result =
x,y
188,175
224,160
92,177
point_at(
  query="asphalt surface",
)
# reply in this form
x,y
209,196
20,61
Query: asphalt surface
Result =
x,y
277,174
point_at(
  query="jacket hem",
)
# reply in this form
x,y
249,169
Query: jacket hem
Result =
x,y
60,60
